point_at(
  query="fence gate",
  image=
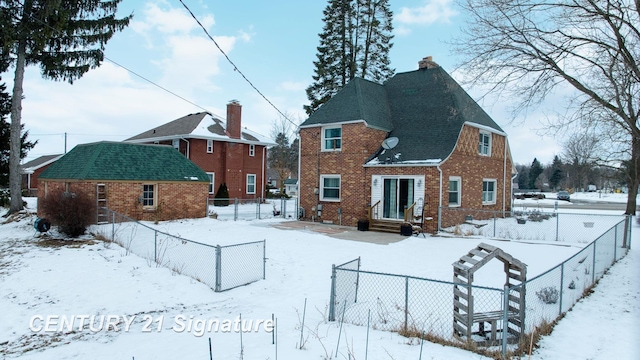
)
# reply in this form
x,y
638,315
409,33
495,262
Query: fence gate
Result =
x,y
101,204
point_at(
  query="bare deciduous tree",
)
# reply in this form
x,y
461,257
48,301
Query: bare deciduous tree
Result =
x,y
580,154
527,48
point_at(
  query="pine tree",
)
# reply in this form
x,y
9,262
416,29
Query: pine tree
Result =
x,y
355,41
25,146
534,172
222,196
66,38
556,173
281,158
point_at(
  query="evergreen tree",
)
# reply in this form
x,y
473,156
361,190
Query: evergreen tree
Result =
x,y
556,173
66,38
523,176
25,146
355,41
535,171
222,196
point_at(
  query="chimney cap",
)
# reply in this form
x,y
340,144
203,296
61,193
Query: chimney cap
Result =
x,y
234,102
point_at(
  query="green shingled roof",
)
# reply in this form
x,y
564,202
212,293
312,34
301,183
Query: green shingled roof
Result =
x,y
104,161
425,109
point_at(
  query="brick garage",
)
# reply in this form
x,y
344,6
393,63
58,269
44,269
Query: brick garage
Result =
x,y
443,138
145,182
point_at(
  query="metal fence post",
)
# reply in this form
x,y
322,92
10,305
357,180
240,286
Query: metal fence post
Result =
x,y
258,209
332,297
439,218
494,224
557,225
593,271
113,226
235,209
561,286
155,246
406,304
264,259
357,281
615,244
218,269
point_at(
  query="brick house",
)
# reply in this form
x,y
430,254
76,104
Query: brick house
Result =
x,y
32,169
144,182
419,141
227,152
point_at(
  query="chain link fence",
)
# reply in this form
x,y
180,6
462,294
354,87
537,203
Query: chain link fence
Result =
x,y
253,209
220,267
530,225
424,307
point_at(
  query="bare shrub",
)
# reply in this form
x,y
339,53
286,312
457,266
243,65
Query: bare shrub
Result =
x,y
71,212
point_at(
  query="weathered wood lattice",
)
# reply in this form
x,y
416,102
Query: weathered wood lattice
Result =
x,y
469,325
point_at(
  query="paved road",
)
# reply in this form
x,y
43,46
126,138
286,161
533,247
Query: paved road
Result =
x,y
581,204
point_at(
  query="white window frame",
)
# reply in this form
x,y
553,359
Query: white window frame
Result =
x,y
458,180
212,178
145,198
493,193
251,183
209,146
322,187
484,149
337,141
175,143
252,150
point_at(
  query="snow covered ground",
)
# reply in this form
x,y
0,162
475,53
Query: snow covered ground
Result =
x,y
42,278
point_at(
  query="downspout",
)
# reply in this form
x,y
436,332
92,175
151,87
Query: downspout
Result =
x,y
504,178
264,152
440,198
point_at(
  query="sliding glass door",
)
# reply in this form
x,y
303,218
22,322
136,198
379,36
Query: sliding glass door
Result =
x,y
398,195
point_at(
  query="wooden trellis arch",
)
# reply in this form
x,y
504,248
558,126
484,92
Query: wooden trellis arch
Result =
x,y
469,325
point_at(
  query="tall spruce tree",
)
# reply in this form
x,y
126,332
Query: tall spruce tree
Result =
x,y
556,173
535,171
355,41
5,131
66,38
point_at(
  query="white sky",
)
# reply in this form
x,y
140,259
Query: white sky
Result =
x,y
272,43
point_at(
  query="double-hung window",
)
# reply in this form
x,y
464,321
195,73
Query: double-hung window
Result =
x,y
455,192
212,177
252,150
209,146
251,183
331,138
488,191
329,187
149,196
484,144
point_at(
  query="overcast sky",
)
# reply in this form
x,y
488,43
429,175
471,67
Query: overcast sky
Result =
x,y
273,43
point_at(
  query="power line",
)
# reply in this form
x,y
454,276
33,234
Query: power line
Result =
x,y
235,68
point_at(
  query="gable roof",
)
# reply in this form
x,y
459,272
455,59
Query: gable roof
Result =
x,y
425,109
124,161
202,125
35,164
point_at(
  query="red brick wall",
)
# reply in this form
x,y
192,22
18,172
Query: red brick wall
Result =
x,y
174,200
355,188
356,179
33,189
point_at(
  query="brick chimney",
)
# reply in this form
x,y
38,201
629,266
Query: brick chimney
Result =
x,y
234,119
427,63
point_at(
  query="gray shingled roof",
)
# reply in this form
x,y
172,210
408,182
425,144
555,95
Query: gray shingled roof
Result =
x,y
426,111
198,125
37,163
105,160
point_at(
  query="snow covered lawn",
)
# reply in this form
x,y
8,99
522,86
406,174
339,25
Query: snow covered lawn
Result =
x,y
40,278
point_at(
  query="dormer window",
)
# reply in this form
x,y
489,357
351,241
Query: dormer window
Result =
x,y
484,145
332,138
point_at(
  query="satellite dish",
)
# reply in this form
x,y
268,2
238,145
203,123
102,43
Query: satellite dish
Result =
x,y
390,143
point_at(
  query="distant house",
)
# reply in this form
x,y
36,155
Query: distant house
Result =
x,y
144,182
291,187
32,169
417,142
227,152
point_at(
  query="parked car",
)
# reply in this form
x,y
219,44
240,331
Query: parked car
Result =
x,y
564,195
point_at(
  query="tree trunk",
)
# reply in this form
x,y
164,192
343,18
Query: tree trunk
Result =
x,y
634,176
15,179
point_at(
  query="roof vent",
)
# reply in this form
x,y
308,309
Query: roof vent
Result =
x,y
427,63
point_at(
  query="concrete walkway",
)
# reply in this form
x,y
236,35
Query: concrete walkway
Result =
x,y
341,232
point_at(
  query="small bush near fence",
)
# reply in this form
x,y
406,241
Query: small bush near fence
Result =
x,y
220,267
412,305
71,212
